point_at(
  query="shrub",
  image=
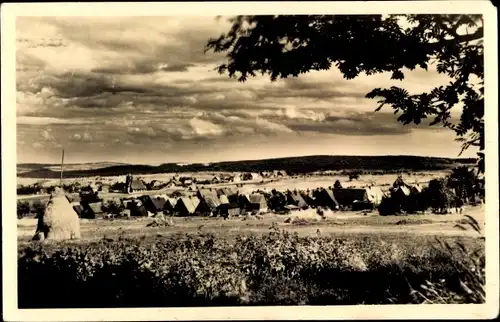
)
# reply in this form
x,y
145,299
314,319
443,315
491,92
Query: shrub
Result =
x,y
388,207
23,209
204,270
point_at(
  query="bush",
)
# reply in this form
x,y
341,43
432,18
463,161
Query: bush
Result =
x,y
278,268
23,209
388,207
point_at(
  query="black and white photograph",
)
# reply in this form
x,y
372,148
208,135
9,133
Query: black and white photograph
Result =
x,y
271,155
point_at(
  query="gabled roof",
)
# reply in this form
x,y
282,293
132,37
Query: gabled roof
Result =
x,y
405,190
399,183
170,201
348,196
374,194
96,207
416,188
78,209
189,203
257,199
137,185
223,199
158,202
297,198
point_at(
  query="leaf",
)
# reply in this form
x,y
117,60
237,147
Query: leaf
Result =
x,y
397,74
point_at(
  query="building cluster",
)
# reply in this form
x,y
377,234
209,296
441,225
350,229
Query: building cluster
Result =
x,y
228,202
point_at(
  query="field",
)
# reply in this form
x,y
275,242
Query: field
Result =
x,y
296,259
305,223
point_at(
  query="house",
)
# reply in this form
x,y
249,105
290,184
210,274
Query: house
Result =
x,y
104,188
325,198
139,211
79,210
203,193
294,198
258,202
207,206
352,197
224,199
401,191
154,204
229,209
138,185
186,206
241,199
375,195
399,182
216,179
235,178
225,191
126,213
170,204
91,210
416,189
280,173
73,198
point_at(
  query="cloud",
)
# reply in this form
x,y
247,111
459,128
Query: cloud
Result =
x,y
111,84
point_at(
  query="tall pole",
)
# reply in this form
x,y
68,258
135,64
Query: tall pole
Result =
x,y
62,162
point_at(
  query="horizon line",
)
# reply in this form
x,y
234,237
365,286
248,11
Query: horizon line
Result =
x,y
246,160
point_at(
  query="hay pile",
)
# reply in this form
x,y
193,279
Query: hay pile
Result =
x,y
161,220
59,221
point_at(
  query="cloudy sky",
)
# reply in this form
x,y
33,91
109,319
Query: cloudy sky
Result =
x,y
141,90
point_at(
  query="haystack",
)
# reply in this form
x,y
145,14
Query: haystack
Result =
x,y
59,221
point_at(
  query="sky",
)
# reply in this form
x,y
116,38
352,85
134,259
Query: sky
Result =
x,y
142,90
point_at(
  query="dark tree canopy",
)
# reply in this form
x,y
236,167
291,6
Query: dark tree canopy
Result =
x,y
284,46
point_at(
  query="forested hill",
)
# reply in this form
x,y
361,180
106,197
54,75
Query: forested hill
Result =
x,y
292,164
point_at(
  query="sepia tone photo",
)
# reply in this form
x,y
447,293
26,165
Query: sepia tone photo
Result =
x,y
229,160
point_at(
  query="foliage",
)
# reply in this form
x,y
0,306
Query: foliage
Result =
x,y
278,268
439,196
38,208
287,46
471,284
23,209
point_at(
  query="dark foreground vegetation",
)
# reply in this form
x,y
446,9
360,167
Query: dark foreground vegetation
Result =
x,y
278,268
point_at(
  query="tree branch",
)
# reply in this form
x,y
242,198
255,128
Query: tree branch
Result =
x,y
458,39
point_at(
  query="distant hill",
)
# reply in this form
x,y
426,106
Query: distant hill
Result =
x,y
292,164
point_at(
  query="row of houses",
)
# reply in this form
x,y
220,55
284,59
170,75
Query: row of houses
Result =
x,y
226,202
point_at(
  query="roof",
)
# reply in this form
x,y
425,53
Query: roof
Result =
x,y
189,203
404,190
223,199
297,198
141,211
330,195
349,196
78,209
137,185
73,198
399,182
96,207
416,188
374,194
257,199
171,201
159,202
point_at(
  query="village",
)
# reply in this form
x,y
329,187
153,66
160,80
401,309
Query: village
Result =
x,y
231,195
